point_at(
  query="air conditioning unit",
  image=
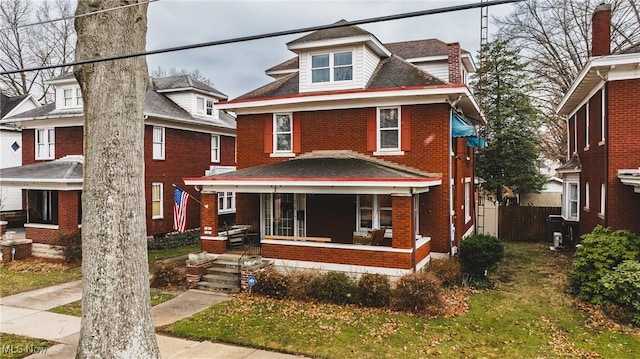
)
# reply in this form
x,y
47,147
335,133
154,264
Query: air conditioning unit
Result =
x,y
557,241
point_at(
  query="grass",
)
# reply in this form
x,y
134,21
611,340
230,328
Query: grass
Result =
x,y
15,346
23,276
75,308
172,252
527,315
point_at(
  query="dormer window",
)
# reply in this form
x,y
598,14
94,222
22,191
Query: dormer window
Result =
x,y
332,67
204,106
72,97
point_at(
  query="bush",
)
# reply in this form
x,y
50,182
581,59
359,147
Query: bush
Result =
x,y
300,284
418,293
601,251
174,240
271,284
448,270
70,243
374,290
167,276
480,252
333,287
622,287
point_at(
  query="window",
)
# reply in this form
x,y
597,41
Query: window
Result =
x,y
467,200
332,67
156,201
389,129
15,146
215,148
204,106
586,195
572,201
45,148
72,97
284,214
602,116
283,132
374,211
226,202
575,133
603,197
158,143
45,209
586,127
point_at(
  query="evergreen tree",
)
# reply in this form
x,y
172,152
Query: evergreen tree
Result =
x,y
511,158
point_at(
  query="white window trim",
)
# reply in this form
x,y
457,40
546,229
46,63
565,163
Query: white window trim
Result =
x,y
215,156
266,204
203,111
276,152
467,200
586,127
575,132
331,67
602,118
75,101
567,201
603,199
162,143
225,208
161,200
51,143
375,214
388,151
586,196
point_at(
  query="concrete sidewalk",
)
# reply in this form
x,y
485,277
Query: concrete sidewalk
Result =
x,y
26,314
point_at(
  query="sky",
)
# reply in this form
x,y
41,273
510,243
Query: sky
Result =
x,y
235,69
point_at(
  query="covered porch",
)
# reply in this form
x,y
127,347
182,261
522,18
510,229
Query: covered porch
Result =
x,y
335,210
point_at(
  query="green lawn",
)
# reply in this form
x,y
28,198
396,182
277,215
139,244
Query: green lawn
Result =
x,y
75,308
527,315
18,282
15,346
172,252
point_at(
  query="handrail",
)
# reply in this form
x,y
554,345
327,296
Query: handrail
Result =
x,y
252,249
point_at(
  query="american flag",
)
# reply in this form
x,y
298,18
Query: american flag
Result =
x,y
180,199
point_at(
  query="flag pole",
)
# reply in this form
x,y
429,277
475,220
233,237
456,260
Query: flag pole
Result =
x,y
174,186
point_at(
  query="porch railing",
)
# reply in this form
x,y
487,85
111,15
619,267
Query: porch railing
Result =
x,y
252,250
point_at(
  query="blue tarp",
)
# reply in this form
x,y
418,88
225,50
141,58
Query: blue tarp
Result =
x,y
475,141
460,127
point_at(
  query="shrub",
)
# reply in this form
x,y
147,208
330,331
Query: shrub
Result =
x,y
418,293
167,276
448,270
301,284
70,243
601,251
333,287
622,287
480,252
374,290
174,240
271,284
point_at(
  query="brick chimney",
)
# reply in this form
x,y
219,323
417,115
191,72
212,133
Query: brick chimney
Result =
x,y
601,30
453,60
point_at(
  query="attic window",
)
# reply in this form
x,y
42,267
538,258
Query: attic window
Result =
x,y
332,67
15,146
205,106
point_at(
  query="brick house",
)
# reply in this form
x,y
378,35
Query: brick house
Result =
x,y
185,134
602,172
354,136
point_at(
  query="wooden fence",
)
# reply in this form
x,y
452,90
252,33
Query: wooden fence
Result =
x,y
524,223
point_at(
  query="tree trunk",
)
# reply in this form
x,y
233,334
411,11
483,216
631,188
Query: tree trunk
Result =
x,y
116,311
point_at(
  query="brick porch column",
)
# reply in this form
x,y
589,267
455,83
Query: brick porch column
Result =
x,y
67,211
209,240
402,219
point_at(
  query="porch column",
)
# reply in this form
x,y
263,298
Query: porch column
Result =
x,y
209,214
67,211
402,219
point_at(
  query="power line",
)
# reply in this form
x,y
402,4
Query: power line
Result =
x,y
75,16
271,34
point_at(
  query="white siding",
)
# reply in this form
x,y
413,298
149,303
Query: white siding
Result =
x,y
358,72
439,69
370,62
11,197
186,100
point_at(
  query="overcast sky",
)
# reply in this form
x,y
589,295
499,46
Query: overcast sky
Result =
x,y
239,68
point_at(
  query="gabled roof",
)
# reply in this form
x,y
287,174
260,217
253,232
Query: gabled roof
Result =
x,y
183,83
419,48
391,72
332,33
64,174
9,103
326,171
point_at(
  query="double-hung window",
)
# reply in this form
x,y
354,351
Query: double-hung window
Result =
x,y
72,97
158,143
215,148
572,201
332,67
156,201
389,129
45,143
467,200
603,197
204,106
226,202
374,211
283,132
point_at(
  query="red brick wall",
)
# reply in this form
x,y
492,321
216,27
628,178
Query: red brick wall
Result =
x,y
453,60
601,30
248,209
22,251
42,235
402,219
209,209
68,141
68,203
339,221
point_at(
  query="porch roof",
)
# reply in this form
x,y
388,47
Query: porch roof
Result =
x,y
630,177
323,172
62,174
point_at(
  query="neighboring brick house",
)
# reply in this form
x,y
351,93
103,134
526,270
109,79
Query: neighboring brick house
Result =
x,y
602,174
185,133
354,135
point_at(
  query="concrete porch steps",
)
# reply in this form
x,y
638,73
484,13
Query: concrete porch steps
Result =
x,y
222,276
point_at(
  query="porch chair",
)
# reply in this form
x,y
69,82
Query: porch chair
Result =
x,y
377,236
236,238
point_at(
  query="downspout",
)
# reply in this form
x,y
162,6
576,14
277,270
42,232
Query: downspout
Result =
x,y
605,135
413,230
450,185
